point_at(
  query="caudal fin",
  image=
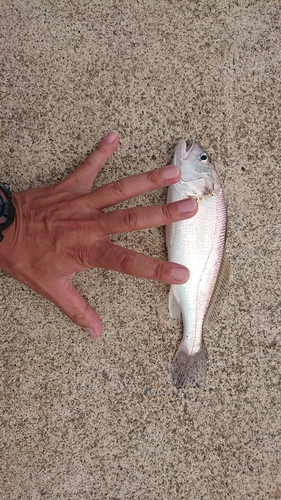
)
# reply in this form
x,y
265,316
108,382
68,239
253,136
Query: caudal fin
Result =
x,y
189,368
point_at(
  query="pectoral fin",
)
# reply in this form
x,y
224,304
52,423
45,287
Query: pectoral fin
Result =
x,y
169,235
174,307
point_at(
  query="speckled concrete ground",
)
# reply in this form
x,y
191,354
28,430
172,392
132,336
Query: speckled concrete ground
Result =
x,y
84,419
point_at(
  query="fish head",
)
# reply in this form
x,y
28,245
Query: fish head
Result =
x,y
198,175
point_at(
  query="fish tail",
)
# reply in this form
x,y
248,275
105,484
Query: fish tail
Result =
x,y
189,368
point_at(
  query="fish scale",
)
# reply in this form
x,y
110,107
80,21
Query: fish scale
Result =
x,y
197,243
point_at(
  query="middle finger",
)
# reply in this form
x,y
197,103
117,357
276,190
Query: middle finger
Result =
x,y
131,219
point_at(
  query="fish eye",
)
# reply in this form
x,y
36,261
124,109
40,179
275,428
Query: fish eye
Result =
x,y
204,158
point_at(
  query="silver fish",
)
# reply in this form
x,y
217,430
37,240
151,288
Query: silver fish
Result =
x,y
197,243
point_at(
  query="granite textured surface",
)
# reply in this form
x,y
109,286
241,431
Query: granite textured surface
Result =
x,y
84,419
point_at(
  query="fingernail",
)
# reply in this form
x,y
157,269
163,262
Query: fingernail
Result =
x,y
110,138
180,274
188,205
171,172
91,332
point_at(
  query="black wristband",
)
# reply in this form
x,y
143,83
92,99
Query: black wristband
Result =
x,y
7,209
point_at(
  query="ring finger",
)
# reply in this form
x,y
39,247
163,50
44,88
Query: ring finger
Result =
x,y
136,264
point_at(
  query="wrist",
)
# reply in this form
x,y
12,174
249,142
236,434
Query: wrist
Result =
x,y
7,209
7,220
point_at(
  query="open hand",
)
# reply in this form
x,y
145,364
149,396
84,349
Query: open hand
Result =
x,y
61,229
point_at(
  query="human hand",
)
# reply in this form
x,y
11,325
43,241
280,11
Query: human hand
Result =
x,y
61,229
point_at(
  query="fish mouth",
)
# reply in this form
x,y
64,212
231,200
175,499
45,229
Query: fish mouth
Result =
x,y
183,151
188,148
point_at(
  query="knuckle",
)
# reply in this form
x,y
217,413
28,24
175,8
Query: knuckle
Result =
x,y
117,187
102,149
159,271
80,256
152,177
166,212
126,263
79,317
87,163
75,225
129,219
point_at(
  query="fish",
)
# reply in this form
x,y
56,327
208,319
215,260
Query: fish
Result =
x,y
199,244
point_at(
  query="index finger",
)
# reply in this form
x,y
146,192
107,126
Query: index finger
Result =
x,y
135,185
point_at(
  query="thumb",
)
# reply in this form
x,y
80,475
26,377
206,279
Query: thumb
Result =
x,y
83,177
76,308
